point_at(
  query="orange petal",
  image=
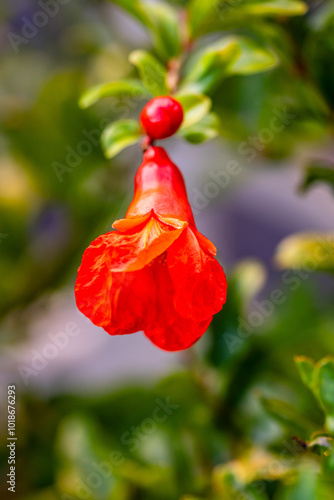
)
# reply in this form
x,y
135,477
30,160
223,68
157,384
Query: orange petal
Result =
x,y
198,279
128,224
131,252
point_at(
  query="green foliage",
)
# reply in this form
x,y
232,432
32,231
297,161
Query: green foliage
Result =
x,y
205,129
132,88
195,107
315,173
152,73
246,421
119,135
226,57
161,20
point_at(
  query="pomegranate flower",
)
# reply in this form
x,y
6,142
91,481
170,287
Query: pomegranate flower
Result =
x,y
156,272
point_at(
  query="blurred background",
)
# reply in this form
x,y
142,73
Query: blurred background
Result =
x,y
105,418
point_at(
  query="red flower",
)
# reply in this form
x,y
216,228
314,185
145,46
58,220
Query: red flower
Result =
x,y
156,273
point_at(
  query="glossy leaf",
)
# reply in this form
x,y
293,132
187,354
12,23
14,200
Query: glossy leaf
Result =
x,y
119,135
161,20
252,58
195,107
206,129
273,7
152,73
229,56
306,370
165,29
207,16
134,89
325,388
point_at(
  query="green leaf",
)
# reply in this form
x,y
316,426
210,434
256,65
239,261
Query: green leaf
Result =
x,y
208,67
252,58
200,14
135,8
161,20
208,16
325,388
228,56
195,107
206,129
318,172
152,73
132,88
273,7
306,370
320,445
304,487
287,415
310,251
165,29
119,135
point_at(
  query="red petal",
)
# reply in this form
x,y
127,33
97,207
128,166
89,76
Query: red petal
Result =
x,y
199,280
168,329
205,244
118,302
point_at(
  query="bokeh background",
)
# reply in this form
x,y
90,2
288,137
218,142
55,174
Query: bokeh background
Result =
x,y
116,418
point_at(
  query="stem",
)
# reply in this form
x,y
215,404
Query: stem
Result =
x,y
147,143
174,65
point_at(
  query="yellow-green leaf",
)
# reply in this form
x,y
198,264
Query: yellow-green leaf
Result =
x,y
152,72
132,88
119,135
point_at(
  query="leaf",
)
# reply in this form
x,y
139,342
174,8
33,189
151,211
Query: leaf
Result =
x,y
119,135
305,367
273,7
276,7
206,129
228,56
200,15
310,251
165,29
302,487
320,445
208,67
161,20
287,415
195,107
252,58
207,16
132,88
152,73
325,388
135,8
317,172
